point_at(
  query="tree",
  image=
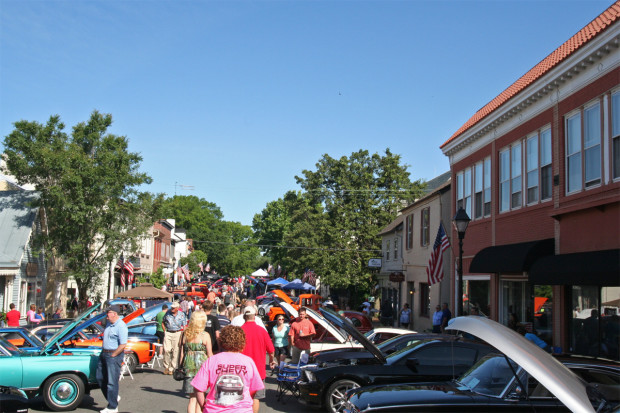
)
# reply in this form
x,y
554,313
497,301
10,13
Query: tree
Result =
x,y
88,183
158,279
349,200
221,241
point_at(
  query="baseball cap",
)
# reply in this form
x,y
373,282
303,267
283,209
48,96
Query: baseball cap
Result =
x,y
249,310
115,308
175,304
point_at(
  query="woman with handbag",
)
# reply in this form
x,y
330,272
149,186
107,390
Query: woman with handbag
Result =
x,y
195,349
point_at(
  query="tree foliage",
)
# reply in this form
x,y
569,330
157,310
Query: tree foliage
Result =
x,y
228,245
331,226
88,182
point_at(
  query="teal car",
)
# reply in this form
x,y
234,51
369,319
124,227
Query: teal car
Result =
x,y
62,376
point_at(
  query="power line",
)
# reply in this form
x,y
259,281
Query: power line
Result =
x,y
284,246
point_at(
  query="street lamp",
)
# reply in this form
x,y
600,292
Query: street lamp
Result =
x,y
461,221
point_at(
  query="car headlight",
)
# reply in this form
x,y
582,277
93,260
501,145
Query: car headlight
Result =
x,y
309,375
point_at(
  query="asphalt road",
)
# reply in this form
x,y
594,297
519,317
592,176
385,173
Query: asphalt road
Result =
x,y
151,391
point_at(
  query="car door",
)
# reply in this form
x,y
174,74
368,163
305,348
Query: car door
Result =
x,y
440,361
11,367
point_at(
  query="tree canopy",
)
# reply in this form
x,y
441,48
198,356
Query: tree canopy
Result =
x,y
331,226
88,182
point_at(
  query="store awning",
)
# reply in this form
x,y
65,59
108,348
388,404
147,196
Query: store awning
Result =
x,y
600,268
511,258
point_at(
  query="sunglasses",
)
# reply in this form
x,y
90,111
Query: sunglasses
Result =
x,y
280,319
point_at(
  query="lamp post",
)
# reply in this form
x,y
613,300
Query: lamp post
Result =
x,y
461,221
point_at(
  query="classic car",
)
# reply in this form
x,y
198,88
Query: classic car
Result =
x,y
59,375
312,301
143,320
380,334
522,378
13,400
21,338
441,357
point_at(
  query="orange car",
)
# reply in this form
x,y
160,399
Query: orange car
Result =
x,y
305,300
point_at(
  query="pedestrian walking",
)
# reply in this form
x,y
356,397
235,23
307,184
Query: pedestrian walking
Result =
x,y
111,358
257,344
447,315
280,338
13,316
159,328
300,334
222,316
239,319
174,322
195,348
31,315
57,314
437,316
405,316
225,371
212,325
40,314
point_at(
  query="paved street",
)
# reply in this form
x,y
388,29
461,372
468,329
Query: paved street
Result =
x,y
151,391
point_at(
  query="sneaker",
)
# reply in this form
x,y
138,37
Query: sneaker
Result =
x,y
106,410
118,398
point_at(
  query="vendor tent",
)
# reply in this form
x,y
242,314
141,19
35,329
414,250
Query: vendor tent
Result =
x,y
260,273
298,285
144,291
278,281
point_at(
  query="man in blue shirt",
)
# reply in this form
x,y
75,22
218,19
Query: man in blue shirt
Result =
x,y
174,323
111,358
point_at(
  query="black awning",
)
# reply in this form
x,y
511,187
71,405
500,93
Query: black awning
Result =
x,y
511,258
584,268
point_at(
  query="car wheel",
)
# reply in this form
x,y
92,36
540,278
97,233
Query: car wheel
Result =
x,y
335,397
63,392
131,360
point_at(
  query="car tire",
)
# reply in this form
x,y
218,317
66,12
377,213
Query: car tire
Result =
x,y
335,397
132,362
63,392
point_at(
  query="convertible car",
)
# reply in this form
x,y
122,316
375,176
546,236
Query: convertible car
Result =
x,y
437,357
523,378
59,375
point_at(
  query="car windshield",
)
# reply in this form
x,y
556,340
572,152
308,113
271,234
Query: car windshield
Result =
x,y
11,335
405,350
10,348
490,376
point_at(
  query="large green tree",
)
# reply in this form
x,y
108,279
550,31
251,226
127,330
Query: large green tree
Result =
x,y
88,182
348,201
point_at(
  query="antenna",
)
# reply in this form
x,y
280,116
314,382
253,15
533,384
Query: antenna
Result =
x,y
182,187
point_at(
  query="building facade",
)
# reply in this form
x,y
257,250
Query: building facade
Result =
x,y
538,172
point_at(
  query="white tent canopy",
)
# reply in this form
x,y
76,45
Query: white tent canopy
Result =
x,y
260,273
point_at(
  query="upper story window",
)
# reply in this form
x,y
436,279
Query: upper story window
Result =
x,y
396,248
615,134
409,230
463,191
425,226
387,250
583,148
482,189
510,178
538,166
516,176
504,180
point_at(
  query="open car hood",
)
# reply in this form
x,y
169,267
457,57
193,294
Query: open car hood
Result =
x,y
283,296
557,378
341,322
293,314
68,327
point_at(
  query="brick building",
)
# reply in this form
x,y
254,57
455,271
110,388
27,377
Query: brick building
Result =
x,y
537,170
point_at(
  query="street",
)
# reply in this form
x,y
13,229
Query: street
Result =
x,y
151,391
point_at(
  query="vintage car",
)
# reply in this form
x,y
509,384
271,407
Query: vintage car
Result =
x,y
380,334
61,376
143,320
21,338
522,378
312,301
441,357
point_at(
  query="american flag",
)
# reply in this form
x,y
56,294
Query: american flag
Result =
x,y
434,271
129,271
201,267
208,267
185,269
179,273
121,267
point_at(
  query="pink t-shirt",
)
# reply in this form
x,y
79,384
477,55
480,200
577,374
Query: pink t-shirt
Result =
x,y
230,378
30,317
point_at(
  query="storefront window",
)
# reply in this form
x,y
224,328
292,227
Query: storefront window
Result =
x,y
513,302
543,311
477,295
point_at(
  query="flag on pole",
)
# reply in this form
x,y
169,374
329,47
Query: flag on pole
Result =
x,y
208,267
129,271
434,271
201,267
120,265
185,270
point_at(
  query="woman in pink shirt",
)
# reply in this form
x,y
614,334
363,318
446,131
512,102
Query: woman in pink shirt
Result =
x,y
31,315
231,377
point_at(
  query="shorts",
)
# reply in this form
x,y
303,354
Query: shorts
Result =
x,y
160,336
281,350
260,394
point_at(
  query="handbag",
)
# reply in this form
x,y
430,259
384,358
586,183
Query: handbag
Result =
x,y
179,373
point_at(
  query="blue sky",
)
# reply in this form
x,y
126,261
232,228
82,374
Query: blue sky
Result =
x,y
235,98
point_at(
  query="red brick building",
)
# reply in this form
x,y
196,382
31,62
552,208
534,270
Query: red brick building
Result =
x,y
537,170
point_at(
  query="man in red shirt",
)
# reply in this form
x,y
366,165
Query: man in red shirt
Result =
x,y
13,316
300,334
257,343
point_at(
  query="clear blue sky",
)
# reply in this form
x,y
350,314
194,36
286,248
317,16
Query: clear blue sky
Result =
x,y
235,98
